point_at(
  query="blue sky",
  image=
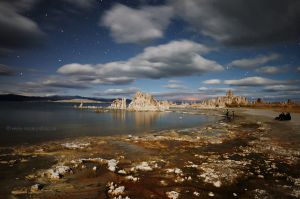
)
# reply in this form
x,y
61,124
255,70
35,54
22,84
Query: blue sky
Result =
x,y
184,50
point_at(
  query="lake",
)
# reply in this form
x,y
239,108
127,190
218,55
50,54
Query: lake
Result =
x,y
34,122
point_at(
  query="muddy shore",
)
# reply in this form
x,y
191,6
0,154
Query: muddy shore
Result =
x,y
251,156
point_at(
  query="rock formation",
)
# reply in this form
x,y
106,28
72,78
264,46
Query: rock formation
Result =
x,y
146,102
141,102
229,100
118,104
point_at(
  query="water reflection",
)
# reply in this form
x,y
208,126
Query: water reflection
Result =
x,y
37,122
146,119
142,120
119,115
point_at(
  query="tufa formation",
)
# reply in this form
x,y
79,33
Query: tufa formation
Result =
x,y
226,101
141,102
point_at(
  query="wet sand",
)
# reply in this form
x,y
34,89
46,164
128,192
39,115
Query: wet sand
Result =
x,y
252,156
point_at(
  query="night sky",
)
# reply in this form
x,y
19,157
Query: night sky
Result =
x,y
184,50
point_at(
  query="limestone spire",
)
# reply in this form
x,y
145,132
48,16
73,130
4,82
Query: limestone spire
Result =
x,y
229,93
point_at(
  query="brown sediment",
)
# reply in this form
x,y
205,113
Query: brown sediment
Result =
x,y
229,159
294,108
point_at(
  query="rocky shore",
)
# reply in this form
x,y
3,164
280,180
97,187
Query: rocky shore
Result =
x,y
249,157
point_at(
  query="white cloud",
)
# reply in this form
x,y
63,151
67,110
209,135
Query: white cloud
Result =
x,y
128,25
174,86
118,91
113,80
271,69
175,81
174,59
278,88
221,90
203,88
252,81
254,62
76,69
212,81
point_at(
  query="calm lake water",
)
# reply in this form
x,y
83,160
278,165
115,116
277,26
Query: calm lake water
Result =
x,y
33,122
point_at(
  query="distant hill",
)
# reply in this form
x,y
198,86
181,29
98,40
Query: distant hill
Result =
x,y
22,98
79,101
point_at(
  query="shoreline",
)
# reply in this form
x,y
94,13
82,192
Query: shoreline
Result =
x,y
223,159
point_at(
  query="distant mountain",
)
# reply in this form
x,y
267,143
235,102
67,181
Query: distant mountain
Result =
x,y
22,98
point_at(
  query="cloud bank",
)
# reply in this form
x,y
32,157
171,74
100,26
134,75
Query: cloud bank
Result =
x,y
272,69
230,22
254,62
242,23
174,59
17,31
252,81
120,92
